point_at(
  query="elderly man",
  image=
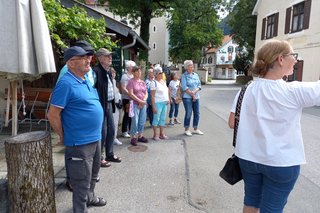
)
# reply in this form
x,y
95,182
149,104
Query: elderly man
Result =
x,y
106,93
76,115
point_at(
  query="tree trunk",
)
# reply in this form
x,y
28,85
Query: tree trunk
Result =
x,y
145,32
30,172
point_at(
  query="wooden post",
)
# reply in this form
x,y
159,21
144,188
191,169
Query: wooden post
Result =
x,y
30,172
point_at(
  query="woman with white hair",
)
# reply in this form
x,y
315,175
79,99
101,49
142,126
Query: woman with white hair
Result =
x,y
159,100
126,121
191,85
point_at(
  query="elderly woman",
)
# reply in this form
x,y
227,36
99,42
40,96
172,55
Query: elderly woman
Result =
x,y
126,120
191,85
174,87
269,139
150,78
137,91
159,100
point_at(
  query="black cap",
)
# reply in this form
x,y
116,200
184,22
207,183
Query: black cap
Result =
x,y
85,45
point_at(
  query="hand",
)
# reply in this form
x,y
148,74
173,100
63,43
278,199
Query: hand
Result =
x,y
154,110
60,142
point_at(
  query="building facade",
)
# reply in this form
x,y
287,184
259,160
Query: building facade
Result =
x,y
296,22
219,61
159,41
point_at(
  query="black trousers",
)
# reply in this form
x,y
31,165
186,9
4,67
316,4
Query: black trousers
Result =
x,y
126,121
108,130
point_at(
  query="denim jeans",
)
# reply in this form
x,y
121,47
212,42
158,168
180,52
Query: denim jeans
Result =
x,y
173,108
191,106
138,120
267,187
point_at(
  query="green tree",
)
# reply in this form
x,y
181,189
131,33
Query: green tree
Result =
x,y
140,12
243,25
67,25
193,25
242,62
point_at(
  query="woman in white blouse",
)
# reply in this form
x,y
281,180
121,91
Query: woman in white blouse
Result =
x,y
159,101
269,140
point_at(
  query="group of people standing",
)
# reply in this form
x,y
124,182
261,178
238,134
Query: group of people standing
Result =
x,y
85,107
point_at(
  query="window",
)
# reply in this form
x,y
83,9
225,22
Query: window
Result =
x,y
230,49
223,71
154,28
154,45
210,60
230,57
270,26
298,17
297,72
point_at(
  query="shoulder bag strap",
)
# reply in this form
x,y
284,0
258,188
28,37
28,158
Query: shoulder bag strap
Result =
x,y
237,113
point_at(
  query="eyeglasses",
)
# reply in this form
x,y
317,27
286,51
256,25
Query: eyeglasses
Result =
x,y
295,55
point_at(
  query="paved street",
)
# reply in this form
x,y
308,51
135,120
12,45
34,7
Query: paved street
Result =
x,y
181,174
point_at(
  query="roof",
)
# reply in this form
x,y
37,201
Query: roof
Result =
x,y
112,24
225,40
255,9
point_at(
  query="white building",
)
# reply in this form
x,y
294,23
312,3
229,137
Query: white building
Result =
x,y
219,61
159,41
296,22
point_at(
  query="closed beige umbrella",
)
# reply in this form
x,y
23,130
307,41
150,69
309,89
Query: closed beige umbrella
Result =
x,y
26,50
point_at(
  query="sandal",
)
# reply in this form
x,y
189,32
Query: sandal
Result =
x,y
105,163
163,137
99,201
114,158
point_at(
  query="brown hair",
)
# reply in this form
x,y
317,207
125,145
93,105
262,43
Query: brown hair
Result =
x,y
268,54
135,68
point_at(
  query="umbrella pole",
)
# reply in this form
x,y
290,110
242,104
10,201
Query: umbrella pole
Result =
x,y
14,108
6,123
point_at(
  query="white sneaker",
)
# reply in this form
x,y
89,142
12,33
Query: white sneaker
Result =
x,y
126,135
198,132
117,142
188,133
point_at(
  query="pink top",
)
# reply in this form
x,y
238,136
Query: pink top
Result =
x,y
139,88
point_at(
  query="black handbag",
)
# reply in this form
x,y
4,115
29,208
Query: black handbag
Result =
x,y
231,171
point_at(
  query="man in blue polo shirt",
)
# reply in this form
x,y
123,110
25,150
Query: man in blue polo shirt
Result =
x,y
76,115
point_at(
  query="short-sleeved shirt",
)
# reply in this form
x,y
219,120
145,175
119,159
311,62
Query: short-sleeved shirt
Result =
x,y
161,94
124,81
139,88
190,81
269,130
174,86
81,114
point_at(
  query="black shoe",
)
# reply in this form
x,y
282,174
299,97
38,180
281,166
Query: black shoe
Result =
x,y
99,201
68,185
113,158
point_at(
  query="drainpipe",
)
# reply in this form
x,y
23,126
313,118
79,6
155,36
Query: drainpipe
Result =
x,y
134,37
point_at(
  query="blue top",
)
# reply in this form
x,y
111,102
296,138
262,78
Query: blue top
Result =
x,y
191,82
91,76
82,113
